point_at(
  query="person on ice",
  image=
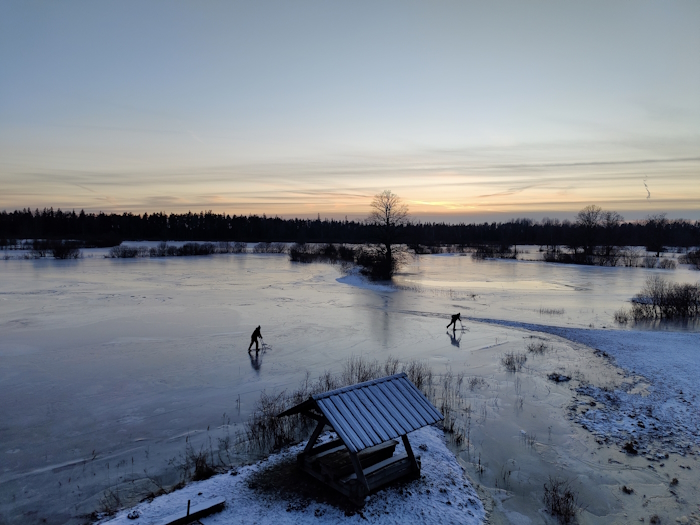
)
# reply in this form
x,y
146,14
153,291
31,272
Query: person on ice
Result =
x,y
254,339
453,323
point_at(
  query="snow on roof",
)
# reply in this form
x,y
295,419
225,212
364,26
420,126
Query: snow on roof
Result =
x,y
370,413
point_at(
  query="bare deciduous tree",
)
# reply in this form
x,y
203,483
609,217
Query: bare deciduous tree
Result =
x,y
388,214
588,219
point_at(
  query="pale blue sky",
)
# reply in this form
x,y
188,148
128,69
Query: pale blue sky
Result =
x,y
468,110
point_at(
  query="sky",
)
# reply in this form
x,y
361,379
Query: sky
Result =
x,y
468,111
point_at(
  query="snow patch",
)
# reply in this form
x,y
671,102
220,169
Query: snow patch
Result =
x,y
355,279
442,495
669,413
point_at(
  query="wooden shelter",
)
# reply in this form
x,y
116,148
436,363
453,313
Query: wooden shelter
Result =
x,y
368,417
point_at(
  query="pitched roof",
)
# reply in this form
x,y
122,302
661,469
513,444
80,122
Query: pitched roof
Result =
x,y
370,413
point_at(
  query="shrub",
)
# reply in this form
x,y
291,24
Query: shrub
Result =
x,y
122,252
301,252
539,347
270,247
561,500
692,258
490,251
661,299
159,251
375,264
65,250
630,258
667,264
513,362
649,262
306,253
622,316
239,247
193,248
40,247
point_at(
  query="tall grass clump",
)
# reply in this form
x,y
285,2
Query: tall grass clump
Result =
x,y
621,316
513,362
551,311
538,347
561,500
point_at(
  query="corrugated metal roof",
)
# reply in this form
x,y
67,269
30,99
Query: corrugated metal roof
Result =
x,y
370,413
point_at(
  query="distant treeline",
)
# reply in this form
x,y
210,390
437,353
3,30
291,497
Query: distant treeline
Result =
x,y
110,229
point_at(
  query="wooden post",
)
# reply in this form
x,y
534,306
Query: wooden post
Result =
x,y
188,507
358,469
409,452
314,436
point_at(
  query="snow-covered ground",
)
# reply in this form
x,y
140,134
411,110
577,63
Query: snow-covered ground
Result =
x,y
666,411
441,496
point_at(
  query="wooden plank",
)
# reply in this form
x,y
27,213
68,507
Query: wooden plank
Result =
x,y
338,465
383,477
314,458
358,470
314,437
326,446
197,511
409,452
313,415
378,466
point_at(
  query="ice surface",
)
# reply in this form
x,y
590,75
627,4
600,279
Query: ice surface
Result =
x,y
107,365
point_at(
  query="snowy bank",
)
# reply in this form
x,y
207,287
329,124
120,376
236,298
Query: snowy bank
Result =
x,y
441,496
667,411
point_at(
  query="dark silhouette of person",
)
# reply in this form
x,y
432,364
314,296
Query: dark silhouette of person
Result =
x,y
254,339
453,323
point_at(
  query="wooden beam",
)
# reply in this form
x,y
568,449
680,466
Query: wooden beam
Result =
x,y
197,511
409,453
377,466
313,415
314,436
358,469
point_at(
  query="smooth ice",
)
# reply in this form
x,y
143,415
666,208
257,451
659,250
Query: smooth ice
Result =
x,y
107,365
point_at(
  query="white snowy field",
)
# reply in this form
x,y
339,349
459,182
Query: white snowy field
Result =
x,y
107,366
442,495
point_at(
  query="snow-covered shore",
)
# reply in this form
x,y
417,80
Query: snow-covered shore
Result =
x,y
666,411
442,495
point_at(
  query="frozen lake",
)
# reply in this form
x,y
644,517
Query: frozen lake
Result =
x,y
106,365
